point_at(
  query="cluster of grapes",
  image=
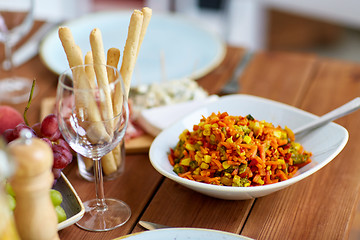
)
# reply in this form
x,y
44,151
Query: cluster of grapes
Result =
x,y
55,196
47,130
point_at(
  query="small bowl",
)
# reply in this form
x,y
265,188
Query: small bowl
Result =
x,y
325,142
71,203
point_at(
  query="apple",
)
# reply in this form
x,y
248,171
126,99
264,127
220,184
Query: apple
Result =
x,y
9,118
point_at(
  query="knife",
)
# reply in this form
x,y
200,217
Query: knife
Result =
x,y
29,49
151,226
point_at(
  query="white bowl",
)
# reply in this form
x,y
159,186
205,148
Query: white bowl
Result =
x,y
325,142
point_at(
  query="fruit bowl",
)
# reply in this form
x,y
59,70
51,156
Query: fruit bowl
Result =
x,y
71,203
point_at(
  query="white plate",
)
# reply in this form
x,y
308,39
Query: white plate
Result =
x,y
71,203
325,143
187,49
184,234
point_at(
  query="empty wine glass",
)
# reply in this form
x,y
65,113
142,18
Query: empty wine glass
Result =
x,y
93,117
16,20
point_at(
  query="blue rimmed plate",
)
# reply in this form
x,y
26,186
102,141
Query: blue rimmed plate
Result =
x,y
174,47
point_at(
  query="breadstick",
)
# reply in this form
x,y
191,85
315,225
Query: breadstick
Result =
x,y
89,58
88,163
98,53
117,155
85,103
128,64
131,48
89,70
147,12
113,57
108,163
97,48
73,54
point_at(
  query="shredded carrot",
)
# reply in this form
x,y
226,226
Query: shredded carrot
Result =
x,y
237,151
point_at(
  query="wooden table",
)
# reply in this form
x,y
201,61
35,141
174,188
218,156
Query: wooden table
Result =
x,y
323,206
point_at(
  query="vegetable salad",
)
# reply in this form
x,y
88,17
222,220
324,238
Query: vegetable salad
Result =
x,y
237,151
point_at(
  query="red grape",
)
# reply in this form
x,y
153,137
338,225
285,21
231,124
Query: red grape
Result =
x,y
8,135
56,172
20,127
48,131
47,141
62,156
60,160
37,128
50,127
63,143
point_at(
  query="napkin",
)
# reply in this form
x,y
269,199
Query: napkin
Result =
x,y
154,120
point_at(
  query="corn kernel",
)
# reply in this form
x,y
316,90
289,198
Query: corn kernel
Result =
x,y
277,133
207,158
229,140
190,147
228,175
297,146
204,165
281,161
226,165
197,171
212,138
207,132
236,180
247,139
185,162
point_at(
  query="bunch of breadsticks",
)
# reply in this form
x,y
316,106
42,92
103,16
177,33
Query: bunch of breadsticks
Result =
x,y
86,106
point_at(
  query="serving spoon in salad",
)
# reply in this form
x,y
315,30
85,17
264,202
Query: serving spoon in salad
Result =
x,y
341,111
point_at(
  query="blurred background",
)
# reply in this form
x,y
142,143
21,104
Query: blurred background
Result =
x,y
330,28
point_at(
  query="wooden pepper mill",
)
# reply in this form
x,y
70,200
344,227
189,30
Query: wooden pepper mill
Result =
x,y
35,216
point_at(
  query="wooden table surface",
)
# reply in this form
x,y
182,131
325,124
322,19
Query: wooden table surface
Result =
x,y
322,206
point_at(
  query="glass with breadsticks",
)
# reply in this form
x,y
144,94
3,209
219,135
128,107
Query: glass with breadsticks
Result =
x,y
93,113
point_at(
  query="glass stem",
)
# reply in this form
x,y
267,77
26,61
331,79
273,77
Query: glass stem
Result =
x,y
99,185
8,64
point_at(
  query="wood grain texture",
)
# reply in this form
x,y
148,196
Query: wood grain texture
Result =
x,y
216,80
135,186
321,206
177,206
279,76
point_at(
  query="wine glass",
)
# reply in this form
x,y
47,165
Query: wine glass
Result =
x,y
93,117
16,20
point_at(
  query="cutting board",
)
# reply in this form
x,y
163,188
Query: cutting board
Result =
x,y
136,145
